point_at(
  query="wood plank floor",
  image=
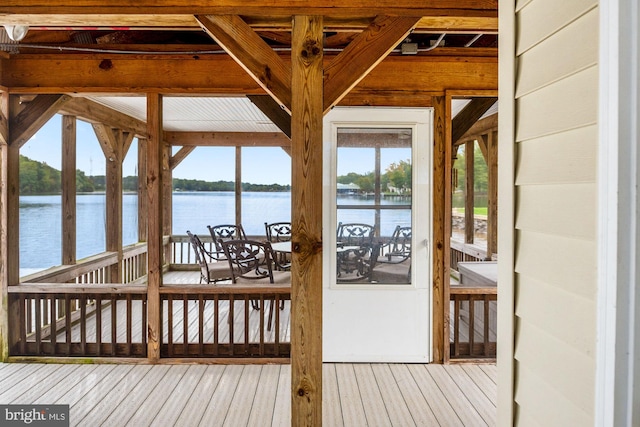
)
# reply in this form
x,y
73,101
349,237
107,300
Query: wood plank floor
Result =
x,y
255,395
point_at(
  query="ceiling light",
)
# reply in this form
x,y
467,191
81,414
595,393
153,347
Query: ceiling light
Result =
x,y
16,32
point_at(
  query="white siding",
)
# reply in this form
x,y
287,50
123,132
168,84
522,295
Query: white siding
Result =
x,y
555,118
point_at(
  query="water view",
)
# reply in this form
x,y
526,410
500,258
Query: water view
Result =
x,y
41,226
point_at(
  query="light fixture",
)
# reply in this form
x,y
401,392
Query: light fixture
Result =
x,y
16,32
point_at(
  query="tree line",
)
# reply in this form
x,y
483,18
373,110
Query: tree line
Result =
x,y
395,179
40,178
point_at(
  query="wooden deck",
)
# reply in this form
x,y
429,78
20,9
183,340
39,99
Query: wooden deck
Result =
x,y
255,395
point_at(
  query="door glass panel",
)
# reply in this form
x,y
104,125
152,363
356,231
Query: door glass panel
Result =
x,y
373,205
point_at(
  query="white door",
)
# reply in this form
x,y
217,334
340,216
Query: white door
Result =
x,y
377,300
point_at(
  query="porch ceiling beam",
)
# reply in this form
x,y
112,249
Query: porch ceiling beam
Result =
x,y
273,111
360,56
252,53
93,112
455,22
61,73
469,115
479,128
227,139
182,154
34,116
242,7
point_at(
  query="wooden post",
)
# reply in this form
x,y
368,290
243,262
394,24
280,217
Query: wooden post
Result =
x,y
306,198
238,185
142,190
469,221
68,178
114,202
9,225
492,211
154,233
5,310
440,306
448,166
167,199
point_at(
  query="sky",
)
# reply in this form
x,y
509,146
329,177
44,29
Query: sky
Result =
x,y
260,165
204,163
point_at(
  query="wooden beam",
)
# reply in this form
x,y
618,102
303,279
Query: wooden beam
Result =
x,y
154,233
448,167
270,108
479,128
228,139
108,142
492,193
143,216
68,181
113,199
482,143
167,198
5,340
395,77
440,321
362,55
92,112
259,7
34,116
252,53
306,196
4,117
454,21
180,156
469,116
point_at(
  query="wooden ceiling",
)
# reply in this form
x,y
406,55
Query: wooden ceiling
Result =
x,y
171,26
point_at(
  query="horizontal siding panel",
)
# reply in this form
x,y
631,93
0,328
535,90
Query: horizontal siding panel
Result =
x,y
541,401
568,51
568,104
563,210
569,264
546,306
566,157
542,18
571,372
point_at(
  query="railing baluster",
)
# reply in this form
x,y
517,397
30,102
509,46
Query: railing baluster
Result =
x,y
83,324
185,325
216,320
170,325
114,323
129,325
98,325
53,324
201,307
231,323
67,317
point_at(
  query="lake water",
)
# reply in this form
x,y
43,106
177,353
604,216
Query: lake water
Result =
x,y
41,226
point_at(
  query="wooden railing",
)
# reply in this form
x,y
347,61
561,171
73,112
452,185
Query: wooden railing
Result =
x,y
219,321
461,252
110,319
473,322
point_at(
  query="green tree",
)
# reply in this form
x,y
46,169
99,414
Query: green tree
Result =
x,y
399,175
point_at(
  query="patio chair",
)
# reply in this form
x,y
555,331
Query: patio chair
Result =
x,y
252,262
393,257
212,269
356,252
280,232
224,232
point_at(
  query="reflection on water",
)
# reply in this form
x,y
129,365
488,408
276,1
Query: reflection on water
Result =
x,y
41,226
